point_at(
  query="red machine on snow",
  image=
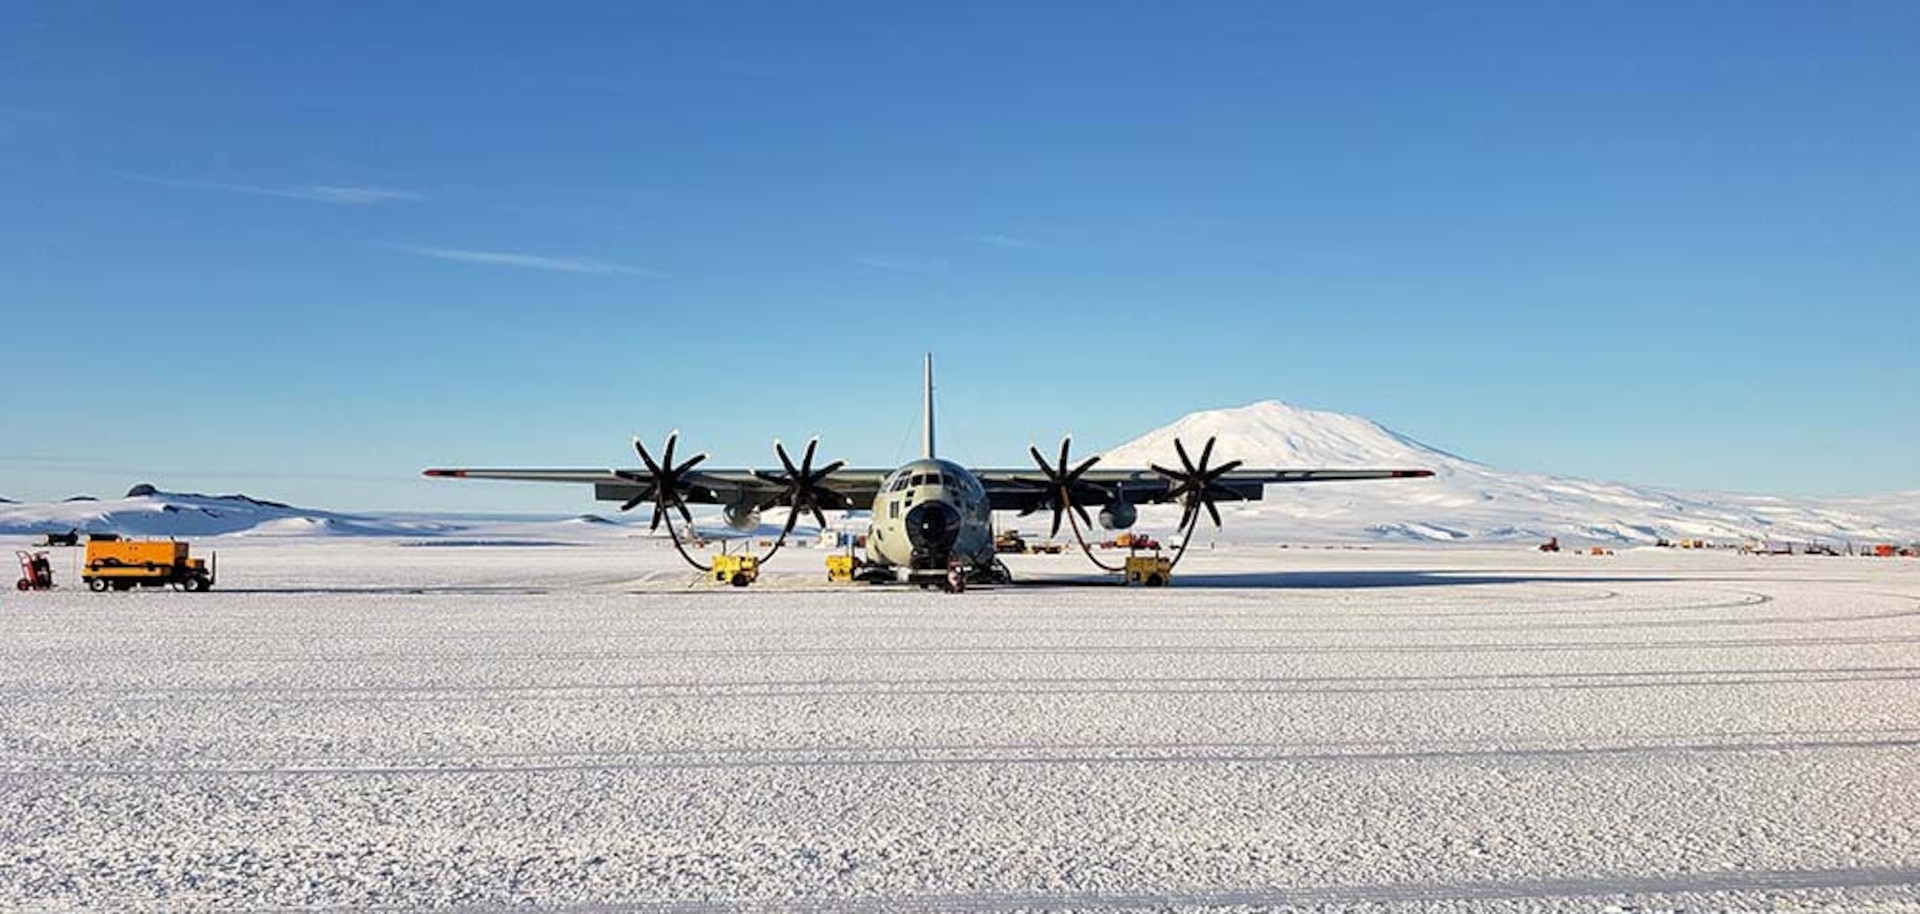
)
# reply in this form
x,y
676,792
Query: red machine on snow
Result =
x,y
36,573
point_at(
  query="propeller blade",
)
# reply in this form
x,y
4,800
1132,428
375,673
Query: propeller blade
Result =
x,y
646,458
673,437
1224,469
1185,461
1206,454
792,517
1040,460
1084,466
1212,511
1085,520
1057,512
1065,443
644,494
818,517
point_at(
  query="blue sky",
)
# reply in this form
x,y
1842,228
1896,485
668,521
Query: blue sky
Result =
x,y
305,250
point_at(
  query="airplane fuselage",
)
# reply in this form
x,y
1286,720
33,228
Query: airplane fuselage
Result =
x,y
927,513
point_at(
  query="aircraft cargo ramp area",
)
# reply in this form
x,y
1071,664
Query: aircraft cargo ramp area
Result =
x,y
369,723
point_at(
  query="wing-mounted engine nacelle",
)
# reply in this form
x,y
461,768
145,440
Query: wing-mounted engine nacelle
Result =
x,y
742,516
1118,515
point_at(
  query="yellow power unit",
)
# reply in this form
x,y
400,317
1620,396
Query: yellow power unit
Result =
x,y
124,564
1149,570
840,568
738,570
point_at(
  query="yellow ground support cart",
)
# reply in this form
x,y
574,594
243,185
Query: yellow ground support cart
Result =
x,y
738,570
126,564
1149,570
840,568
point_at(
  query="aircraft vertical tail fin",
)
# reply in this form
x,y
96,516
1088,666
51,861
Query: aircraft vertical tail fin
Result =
x,y
926,412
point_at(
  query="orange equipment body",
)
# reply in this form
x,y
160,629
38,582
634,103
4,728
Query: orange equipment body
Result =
x,y
125,564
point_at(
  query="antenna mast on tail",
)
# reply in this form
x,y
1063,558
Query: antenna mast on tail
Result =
x,y
926,413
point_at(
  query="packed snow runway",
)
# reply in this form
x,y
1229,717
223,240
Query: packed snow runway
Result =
x,y
348,723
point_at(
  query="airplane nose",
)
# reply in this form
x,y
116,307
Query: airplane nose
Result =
x,y
933,527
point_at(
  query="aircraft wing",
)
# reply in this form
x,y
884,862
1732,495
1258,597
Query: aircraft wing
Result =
x,y
1026,490
854,488
846,488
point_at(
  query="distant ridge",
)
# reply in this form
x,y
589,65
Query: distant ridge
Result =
x,y
148,511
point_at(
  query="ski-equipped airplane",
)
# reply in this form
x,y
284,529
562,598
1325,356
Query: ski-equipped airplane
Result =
x,y
930,514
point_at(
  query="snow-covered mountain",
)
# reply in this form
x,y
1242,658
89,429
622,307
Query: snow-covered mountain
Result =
x,y
146,511
1470,501
149,512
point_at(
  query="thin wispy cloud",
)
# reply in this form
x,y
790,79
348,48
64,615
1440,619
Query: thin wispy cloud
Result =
x,y
1009,242
518,260
898,265
336,194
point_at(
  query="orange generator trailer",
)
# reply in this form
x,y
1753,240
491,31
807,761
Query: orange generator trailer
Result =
x,y
126,564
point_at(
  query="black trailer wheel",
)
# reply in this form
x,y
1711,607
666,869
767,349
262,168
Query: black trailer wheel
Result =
x,y
194,584
22,584
1155,580
740,580
97,585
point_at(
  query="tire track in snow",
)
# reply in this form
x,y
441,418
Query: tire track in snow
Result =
x,y
1167,754
1076,650
933,751
1009,685
1636,885
442,634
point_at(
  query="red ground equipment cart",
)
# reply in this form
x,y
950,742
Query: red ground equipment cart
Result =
x,y
36,573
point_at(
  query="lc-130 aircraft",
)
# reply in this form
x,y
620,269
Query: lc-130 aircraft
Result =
x,y
930,514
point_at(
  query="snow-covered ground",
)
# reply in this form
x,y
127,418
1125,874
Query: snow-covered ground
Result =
x,y
412,723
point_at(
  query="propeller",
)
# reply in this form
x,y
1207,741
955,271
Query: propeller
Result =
x,y
662,482
803,483
1061,482
1197,485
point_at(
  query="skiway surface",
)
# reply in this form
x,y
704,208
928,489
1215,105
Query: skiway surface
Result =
x,y
348,723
